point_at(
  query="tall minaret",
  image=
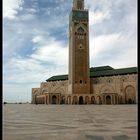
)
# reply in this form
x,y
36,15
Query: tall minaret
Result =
x,y
79,75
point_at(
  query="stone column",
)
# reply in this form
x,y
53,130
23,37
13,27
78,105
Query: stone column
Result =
x,y
114,99
35,99
84,100
103,99
58,101
45,99
70,100
111,99
50,99
117,99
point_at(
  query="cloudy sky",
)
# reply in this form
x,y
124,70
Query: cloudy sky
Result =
x,y
35,40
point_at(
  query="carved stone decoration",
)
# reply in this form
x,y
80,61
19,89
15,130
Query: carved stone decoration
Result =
x,y
107,89
109,80
123,79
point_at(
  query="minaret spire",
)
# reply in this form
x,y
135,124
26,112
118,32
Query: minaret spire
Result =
x,y
78,4
79,74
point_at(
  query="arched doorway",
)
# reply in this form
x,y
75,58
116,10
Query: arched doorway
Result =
x,y
108,99
54,99
92,100
129,94
81,101
130,101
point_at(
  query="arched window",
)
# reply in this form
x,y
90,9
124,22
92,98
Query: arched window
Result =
x,y
81,101
108,99
80,30
54,99
79,4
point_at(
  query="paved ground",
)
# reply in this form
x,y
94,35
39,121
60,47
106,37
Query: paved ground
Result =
x,y
69,122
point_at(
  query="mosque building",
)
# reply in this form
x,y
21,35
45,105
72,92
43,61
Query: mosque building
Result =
x,y
85,85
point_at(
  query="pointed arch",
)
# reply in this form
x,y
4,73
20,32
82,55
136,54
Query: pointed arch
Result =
x,y
130,94
108,99
58,90
107,89
81,100
54,99
80,30
82,26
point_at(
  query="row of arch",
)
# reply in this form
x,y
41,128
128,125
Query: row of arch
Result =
x,y
79,99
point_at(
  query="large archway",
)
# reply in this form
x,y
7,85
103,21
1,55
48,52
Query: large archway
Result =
x,y
54,99
130,101
108,99
81,101
46,99
129,94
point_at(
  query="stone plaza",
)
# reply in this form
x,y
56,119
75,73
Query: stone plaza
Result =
x,y
69,122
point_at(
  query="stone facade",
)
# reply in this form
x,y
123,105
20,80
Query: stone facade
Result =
x,y
121,89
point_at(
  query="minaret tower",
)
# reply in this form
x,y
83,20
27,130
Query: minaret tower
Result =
x,y
79,74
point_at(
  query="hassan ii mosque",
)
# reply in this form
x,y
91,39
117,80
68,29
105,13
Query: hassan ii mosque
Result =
x,y
84,85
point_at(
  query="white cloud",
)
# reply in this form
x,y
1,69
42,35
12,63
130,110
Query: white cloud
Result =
x,y
38,39
32,10
48,59
11,7
27,73
53,51
126,59
27,17
97,17
103,43
114,50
